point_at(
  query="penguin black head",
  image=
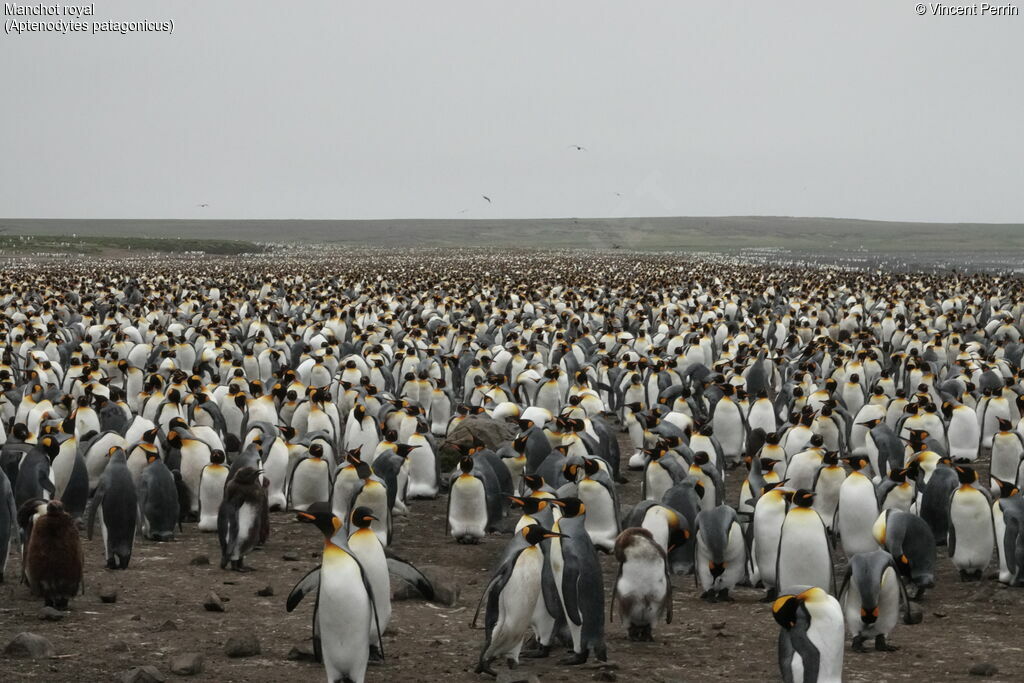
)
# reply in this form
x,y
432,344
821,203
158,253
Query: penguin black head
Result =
x,y
535,533
701,458
591,467
803,498
535,482
571,507
817,440
320,515
362,517
1006,489
404,449
466,465
217,456
530,506
966,475
786,610
316,450
857,462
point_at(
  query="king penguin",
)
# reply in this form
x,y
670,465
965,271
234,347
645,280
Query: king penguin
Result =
x,y
117,503
240,518
643,589
971,529
211,491
873,597
805,555
812,638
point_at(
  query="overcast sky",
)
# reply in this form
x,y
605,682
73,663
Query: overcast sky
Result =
x,y
327,109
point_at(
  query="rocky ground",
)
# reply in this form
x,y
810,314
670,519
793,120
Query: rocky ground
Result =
x,y
159,617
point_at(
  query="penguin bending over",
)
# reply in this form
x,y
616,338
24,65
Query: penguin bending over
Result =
x,y
873,596
812,637
721,558
910,541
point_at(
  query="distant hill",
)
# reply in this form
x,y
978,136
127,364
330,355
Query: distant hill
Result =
x,y
692,234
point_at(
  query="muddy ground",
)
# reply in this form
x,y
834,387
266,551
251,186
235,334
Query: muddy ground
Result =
x,y
964,623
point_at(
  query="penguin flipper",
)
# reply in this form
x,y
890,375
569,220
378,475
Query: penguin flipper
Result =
x,y
94,504
307,584
951,539
411,575
570,589
548,589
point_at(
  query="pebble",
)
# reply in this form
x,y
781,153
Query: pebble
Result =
x,y
200,561
213,603
983,669
50,614
266,591
244,645
142,674
187,664
28,646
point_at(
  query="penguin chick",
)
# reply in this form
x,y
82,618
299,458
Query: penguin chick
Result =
x,y
54,560
643,590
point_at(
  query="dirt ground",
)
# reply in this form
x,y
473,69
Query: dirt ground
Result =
x,y
964,623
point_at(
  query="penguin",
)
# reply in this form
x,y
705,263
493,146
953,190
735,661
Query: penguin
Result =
x,y
212,481
828,482
805,554
577,572
310,481
344,615
158,501
117,503
468,507
910,542
54,562
510,597
240,518
857,510
1008,518
8,520
643,588
597,492
873,596
721,557
769,515
971,528
812,637
369,551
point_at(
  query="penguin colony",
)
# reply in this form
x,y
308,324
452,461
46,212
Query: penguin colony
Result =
x,y
813,437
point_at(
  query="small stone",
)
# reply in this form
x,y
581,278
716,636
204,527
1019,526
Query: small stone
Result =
x,y
939,615
914,614
718,626
516,677
302,653
118,646
109,596
168,625
605,676
28,645
983,669
200,561
290,557
50,614
213,603
245,645
142,674
187,664
136,617
266,591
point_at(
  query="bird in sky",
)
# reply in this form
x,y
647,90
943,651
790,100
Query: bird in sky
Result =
x,y
487,198
579,148
203,206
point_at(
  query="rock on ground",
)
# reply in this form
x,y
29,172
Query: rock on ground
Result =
x,y
28,645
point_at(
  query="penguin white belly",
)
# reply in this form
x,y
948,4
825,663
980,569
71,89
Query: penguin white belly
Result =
x,y
275,469
247,516
370,553
728,427
346,484
374,495
515,605
601,518
888,608
767,532
804,557
211,494
826,634
310,484
467,513
655,522
858,510
1006,456
657,480
422,474
344,615
899,498
801,471
193,460
734,560
971,519
964,434
1000,528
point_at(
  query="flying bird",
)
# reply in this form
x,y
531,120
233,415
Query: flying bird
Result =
x,y
487,198
579,148
204,205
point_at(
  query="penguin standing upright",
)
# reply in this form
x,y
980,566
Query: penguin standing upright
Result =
x,y
367,548
310,481
468,505
158,501
858,510
597,491
511,595
812,638
805,555
53,558
769,515
117,503
240,518
577,571
211,491
643,590
8,520
971,529
872,596
344,614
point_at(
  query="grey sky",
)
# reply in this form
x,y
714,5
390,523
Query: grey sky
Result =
x,y
327,109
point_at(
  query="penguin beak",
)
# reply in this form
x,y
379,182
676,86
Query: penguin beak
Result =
x,y
304,517
554,534
516,500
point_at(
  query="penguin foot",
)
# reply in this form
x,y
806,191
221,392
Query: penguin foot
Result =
x,y
375,655
601,653
539,652
485,668
723,596
511,663
238,566
575,659
770,595
858,644
882,646
709,596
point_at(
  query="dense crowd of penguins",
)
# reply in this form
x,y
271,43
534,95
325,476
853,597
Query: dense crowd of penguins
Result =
x,y
844,409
